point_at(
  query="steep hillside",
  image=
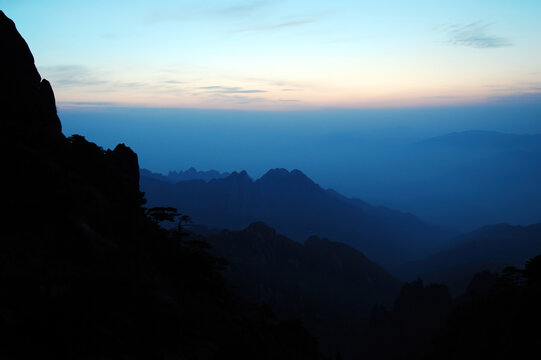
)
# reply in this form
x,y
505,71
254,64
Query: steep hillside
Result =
x,y
329,285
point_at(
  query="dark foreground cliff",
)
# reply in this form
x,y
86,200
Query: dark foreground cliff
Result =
x,y
83,272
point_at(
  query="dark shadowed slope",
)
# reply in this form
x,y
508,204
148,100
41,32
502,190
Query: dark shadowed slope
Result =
x,y
497,317
491,247
406,330
298,208
329,285
84,274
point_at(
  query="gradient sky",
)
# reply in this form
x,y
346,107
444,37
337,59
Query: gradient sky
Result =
x,y
262,55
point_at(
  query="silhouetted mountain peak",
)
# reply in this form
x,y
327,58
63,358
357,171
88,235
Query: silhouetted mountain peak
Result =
x,y
282,177
277,172
28,104
125,160
239,177
260,227
192,173
299,174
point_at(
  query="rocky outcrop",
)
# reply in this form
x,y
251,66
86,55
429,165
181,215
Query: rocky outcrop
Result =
x,y
84,274
27,103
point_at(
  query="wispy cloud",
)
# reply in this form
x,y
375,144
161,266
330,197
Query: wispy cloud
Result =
x,y
230,90
173,82
71,75
475,34
199,12
522,92
236,98
241,9
278,26
518,87
95,80
88,103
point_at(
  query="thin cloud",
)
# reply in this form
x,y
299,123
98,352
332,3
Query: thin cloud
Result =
x,y
71,75
192,13
173,82
243,9
88,103
236,99
278,26
519,93
475,35
77,76
519,87
229,90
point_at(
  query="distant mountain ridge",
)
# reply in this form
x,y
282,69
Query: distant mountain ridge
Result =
x,y
484,139
185,175
489,248
297,207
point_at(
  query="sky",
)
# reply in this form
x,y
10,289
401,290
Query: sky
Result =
x,y
284,55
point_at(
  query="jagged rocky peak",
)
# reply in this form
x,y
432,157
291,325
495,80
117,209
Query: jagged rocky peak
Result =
x,y
243,176
125,160
31,127
279,175
27,104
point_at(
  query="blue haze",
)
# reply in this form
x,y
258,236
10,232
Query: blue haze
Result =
x,y
370,154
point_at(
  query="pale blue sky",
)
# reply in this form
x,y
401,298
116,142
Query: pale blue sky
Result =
x,y
284,54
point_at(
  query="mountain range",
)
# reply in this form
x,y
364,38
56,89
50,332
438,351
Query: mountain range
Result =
x,y
88,272
297,207
330,286
190,174
489,248
462,180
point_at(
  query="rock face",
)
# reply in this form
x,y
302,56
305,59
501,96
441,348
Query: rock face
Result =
x,y
84,274
25,94
31,135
